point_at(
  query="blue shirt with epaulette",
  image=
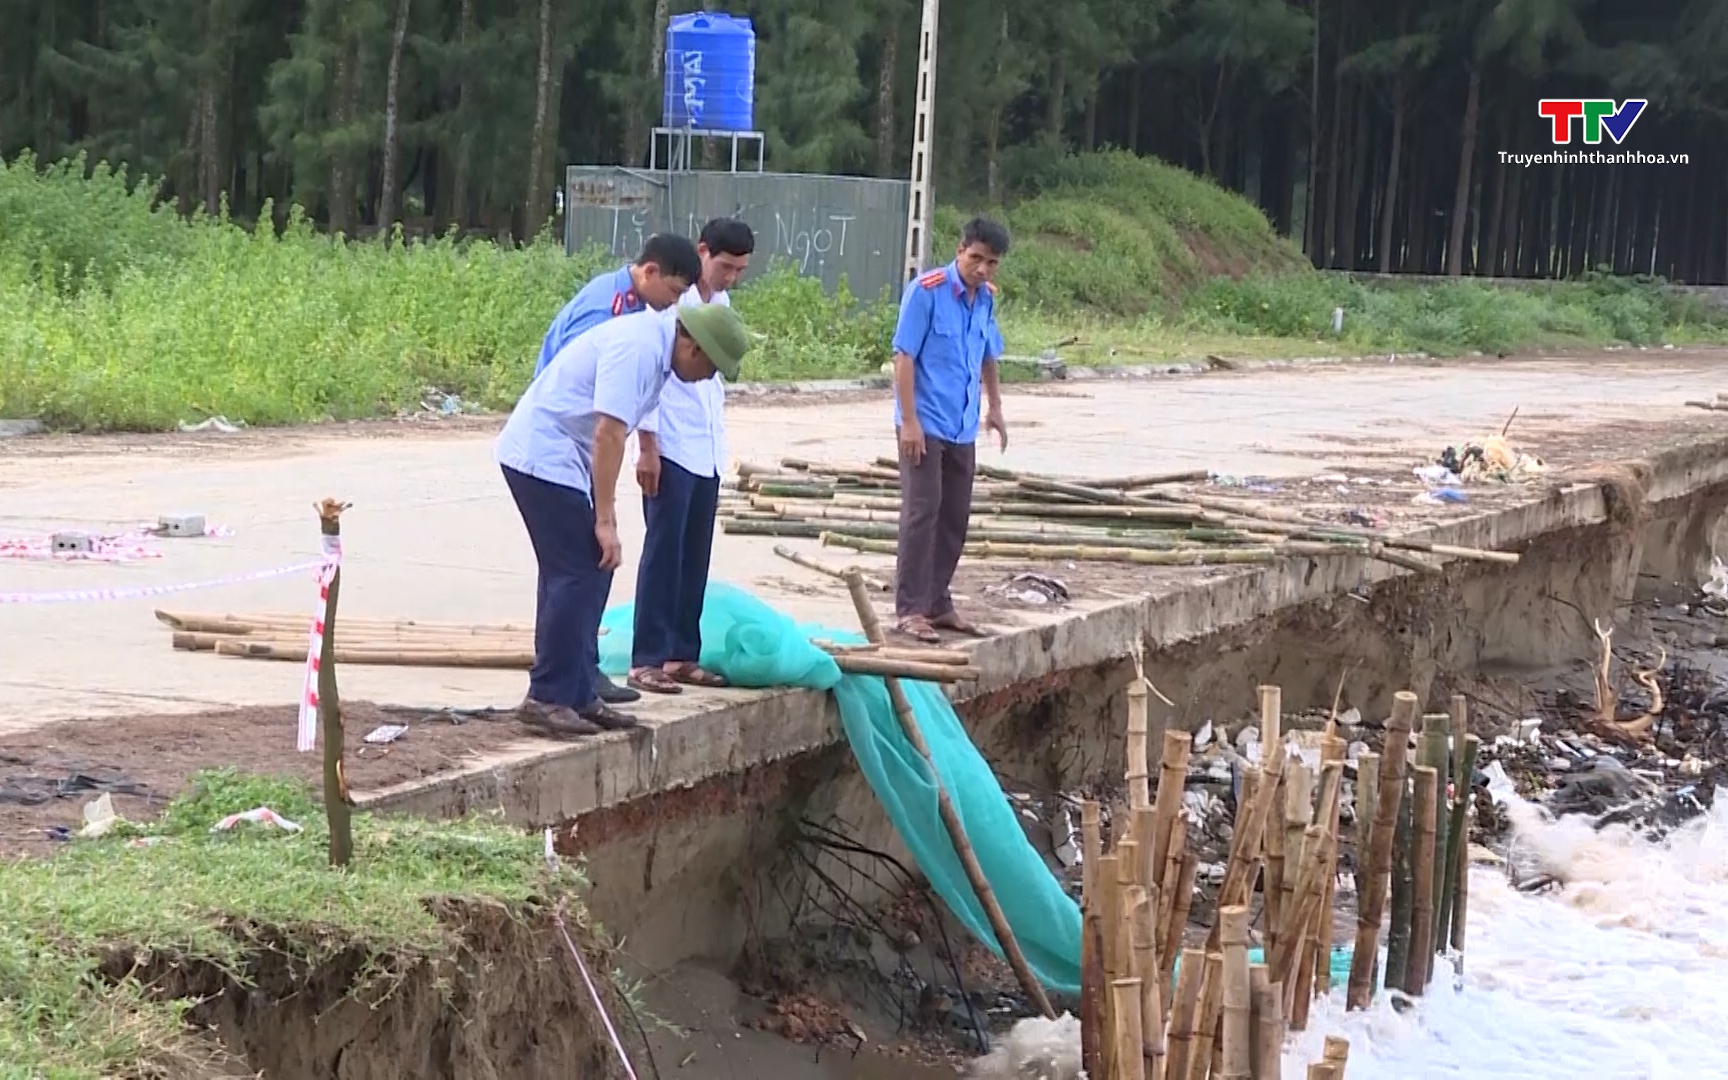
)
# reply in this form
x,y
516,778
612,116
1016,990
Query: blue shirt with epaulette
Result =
x,y
607,296
949,338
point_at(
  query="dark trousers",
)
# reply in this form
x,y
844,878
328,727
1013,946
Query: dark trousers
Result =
x,y
935,508
673,576
572,590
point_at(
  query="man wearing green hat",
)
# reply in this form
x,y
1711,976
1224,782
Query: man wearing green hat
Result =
x,y
561,452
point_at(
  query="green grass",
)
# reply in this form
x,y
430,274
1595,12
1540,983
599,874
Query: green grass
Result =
x,y
197,894
117,314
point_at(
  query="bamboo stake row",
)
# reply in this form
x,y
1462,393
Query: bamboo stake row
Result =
x,y
1416,849
1224,1017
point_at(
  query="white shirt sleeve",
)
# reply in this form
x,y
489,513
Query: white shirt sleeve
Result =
x,y
650,421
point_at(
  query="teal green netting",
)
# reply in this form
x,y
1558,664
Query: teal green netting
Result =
x,y
755,646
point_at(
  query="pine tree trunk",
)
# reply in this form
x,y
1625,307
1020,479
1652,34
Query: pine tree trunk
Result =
x,y
1349,249
464,100
1329,250
1466,160
1135,79
540,152
341,165
389,204
641,115
1091,132
885,98
1053,122
1389,202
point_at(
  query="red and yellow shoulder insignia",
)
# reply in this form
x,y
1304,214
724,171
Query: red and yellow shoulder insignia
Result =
x,y
933,278
617,304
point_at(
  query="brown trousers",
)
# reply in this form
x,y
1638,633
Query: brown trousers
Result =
x,y
935,508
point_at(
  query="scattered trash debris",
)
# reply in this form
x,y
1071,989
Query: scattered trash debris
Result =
x,y
262,815
386,733
1030,588
1493,460
99,816
214,423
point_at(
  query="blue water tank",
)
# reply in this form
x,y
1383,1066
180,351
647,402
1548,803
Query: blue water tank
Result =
x,y
710,73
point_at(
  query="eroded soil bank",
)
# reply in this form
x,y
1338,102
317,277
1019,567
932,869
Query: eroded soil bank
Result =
x,y
787,882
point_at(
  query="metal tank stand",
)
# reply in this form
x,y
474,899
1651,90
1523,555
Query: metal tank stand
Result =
x,y
681,147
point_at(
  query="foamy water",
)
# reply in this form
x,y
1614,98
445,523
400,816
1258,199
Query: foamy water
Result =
x,y
1621,974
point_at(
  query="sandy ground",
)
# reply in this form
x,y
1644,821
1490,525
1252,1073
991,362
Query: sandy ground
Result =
x,y
93,689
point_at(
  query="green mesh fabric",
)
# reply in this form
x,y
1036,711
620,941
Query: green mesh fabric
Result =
x,y
755,646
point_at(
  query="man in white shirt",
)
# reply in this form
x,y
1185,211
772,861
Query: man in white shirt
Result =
x,y
682,453
561,451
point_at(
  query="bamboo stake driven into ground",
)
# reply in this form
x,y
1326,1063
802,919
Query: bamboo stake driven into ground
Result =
x,y
338,807
1423,811
1371,906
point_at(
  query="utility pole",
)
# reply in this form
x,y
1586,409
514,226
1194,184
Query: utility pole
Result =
x,y
919,210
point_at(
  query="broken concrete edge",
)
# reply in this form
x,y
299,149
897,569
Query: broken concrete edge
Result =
x,y
736,730
1060,371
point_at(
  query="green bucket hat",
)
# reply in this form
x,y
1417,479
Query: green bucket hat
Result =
x,y
720,333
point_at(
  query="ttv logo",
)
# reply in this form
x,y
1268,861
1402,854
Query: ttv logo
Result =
x,y
1598,115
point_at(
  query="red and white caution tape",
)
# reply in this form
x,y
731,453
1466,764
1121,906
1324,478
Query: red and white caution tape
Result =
x,y
137,592
307,735
130,546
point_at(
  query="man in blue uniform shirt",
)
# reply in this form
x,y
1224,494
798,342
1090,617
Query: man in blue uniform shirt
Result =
x,y
560,452
682,454
945,350
664,270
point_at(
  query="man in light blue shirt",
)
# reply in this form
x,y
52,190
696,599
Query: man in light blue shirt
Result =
x,y
665,270
560,452
946,345
682,454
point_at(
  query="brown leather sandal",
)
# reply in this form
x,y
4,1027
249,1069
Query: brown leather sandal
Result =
x,y
690,674
918,628
652,680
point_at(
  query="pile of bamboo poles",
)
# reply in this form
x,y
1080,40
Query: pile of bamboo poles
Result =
x,y
1417,845
1225,1018
1135,519
505,646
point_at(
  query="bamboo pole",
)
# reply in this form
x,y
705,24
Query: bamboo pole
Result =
x,y
1424,812
1457,838
1314,912
914,654
950,820
1268,1000
1178,925
1461,905
1206,1028
1139,785
1371,903
1246,840
1172,775
1109,915
1435,752
1146,968
810,563
1332,752
338,807
263,622
1336,1052
1272,733
1190,982
1367,805
1403,900
1091,945
1129,1042
1238,1031
1319,1070
1148,873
